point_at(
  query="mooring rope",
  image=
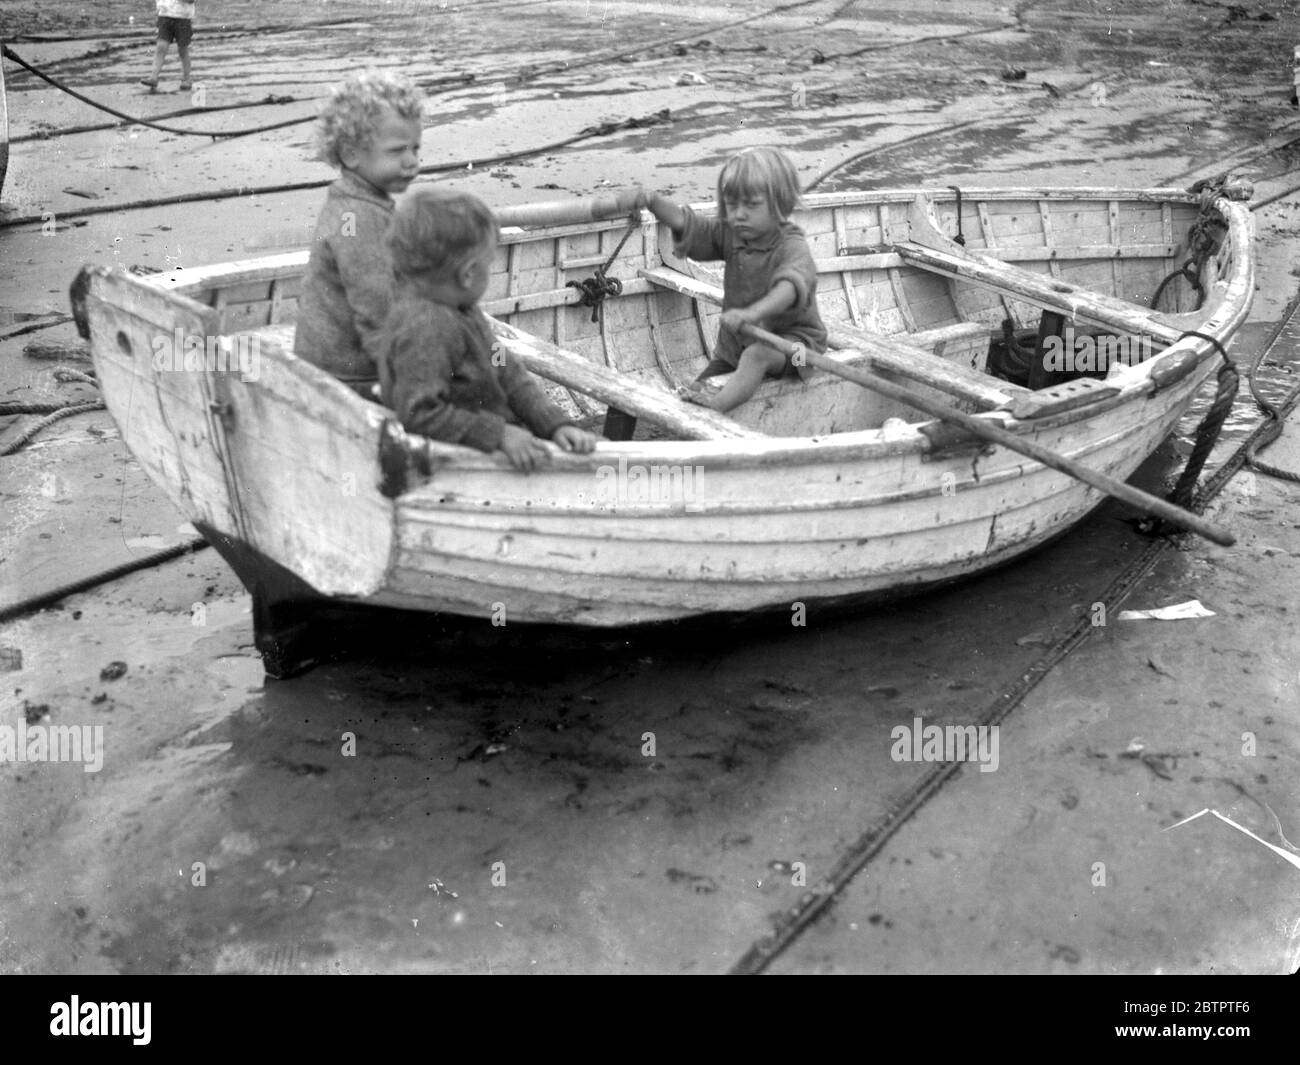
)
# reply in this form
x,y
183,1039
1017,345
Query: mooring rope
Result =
x,y
1271,429
9,53
516,75
56,415
604,129
34,327
48,599
1207,433
271,100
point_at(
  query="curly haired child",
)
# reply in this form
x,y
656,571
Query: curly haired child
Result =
x,y
370,130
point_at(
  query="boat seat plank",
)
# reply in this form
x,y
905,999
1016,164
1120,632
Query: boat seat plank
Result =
x,y
616,389
1043,290
899,354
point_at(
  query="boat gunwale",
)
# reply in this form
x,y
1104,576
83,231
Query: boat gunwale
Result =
x,y
231,272
791,451
421,500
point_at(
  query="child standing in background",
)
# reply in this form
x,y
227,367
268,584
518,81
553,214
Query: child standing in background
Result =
x,y
370,130
175,23
439,367
770,279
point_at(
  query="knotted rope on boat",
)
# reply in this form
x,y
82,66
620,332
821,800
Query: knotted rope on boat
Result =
x,y
596,288
1202,242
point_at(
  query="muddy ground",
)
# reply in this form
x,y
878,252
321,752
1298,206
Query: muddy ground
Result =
x,y
498,813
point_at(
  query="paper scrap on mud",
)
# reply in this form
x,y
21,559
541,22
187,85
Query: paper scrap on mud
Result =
x,y
1292,858
1190,609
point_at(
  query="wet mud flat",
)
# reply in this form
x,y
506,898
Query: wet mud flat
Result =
x,y
454,798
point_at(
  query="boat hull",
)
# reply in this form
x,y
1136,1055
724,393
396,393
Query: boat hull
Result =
x,y
287,467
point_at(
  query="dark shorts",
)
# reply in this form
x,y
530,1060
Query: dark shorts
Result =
x,y
179,30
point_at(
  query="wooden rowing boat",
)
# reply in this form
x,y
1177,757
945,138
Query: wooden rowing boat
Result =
x,y
808,493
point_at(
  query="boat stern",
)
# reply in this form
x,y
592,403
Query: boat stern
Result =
x,y
270,452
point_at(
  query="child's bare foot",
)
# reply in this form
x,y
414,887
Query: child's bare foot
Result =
x,y
698,396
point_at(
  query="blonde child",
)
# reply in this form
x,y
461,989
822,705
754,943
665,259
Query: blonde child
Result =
x,y
770,279
370,130
439,366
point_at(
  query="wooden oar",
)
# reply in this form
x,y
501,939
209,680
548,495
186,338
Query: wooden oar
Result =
x,y
1134,497
561,212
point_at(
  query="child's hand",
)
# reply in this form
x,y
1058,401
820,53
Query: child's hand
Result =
x,y
734,317
633,199
571,438
524,450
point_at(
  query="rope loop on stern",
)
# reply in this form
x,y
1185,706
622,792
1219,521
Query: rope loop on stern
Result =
x,y
1185,493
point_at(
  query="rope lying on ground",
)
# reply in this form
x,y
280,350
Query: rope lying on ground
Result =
x,y
270,100
9,53
1271,429
142,39
8,410
57,415
590,132
57,412
40,602
33,327
514,76
223,32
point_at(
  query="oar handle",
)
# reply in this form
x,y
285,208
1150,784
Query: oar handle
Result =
x,y
981,427
562,212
